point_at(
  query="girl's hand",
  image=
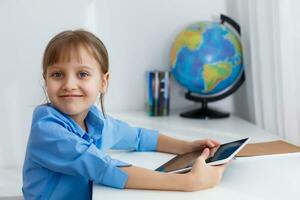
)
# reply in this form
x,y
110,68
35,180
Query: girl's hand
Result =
x,y
200,145
202,175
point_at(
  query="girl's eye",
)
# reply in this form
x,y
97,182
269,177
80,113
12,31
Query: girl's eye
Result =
x,y
57,74
83,74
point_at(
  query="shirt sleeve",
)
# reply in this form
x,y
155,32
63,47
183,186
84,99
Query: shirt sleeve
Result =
x,y
119,135
54,147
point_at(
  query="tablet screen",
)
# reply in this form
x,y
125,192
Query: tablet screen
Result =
x,y
225,150
187,160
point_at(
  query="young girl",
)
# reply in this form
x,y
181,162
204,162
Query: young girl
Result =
x,y
69,136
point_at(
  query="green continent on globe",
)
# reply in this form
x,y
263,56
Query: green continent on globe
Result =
x,y
215,73
190,38
235,41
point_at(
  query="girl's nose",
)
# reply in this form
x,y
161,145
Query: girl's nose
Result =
x,y
70,83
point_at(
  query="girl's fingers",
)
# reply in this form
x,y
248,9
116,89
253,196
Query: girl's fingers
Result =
x,y
211,143
205,154
222,167
207,143
216,142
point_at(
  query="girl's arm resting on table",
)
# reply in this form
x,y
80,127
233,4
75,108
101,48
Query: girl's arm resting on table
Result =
x,y
140,178
172,145
141,139
202,176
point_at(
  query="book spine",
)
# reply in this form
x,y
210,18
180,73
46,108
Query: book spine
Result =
x,y
150,101
166,107
156,93
161,94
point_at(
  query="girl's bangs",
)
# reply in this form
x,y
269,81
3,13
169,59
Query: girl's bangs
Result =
x,y
63,52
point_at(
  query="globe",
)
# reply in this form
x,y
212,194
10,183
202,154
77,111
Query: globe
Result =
x,y
206,59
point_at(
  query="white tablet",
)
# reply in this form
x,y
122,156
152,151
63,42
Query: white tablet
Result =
x,y
220,155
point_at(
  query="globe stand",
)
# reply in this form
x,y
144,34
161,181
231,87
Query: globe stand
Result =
x,y
204,112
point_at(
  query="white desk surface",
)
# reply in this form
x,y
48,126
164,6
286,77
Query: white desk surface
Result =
x,y
264,177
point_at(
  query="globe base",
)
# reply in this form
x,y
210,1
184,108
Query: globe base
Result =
x,y
204,113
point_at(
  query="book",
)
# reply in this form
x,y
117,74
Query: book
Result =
x,y
166,94
150,96
158,98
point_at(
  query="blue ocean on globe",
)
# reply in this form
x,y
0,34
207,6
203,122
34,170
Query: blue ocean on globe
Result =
x,y
206,58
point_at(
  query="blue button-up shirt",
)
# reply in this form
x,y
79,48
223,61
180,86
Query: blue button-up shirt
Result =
x,y
61,158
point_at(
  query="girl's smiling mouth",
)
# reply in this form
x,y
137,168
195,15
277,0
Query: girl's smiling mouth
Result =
x,y
70,96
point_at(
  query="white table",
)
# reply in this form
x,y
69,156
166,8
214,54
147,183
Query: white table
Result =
x,y
265,177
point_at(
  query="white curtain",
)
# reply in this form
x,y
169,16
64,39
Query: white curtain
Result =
x,y
270,34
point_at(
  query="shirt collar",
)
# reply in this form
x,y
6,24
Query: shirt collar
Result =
x,y
93,120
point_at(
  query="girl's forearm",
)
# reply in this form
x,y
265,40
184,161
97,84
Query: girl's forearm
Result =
x,y
172,145
140,178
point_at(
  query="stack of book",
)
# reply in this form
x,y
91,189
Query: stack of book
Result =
x,y
158,103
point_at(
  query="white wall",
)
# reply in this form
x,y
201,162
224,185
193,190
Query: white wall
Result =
x,y
137,33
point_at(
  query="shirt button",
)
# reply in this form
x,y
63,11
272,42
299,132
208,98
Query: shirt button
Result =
x,y
86,137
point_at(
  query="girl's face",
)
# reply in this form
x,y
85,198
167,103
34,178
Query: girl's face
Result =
x,y
73,86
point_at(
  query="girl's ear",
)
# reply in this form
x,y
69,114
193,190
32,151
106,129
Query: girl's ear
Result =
x,y
45,80
104,82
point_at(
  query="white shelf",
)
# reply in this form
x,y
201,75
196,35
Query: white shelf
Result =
x,y
224,130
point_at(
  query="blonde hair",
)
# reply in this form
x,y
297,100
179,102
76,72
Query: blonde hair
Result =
x,y
63,44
